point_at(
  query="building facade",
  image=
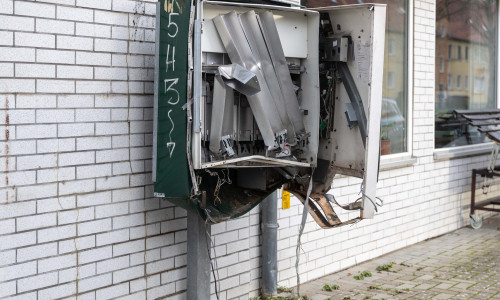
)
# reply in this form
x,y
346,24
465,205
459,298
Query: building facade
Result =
x,y
77,212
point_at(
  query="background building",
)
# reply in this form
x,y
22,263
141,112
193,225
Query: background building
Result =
x,y
77,213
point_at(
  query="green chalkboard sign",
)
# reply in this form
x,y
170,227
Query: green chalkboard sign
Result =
x,y
172,174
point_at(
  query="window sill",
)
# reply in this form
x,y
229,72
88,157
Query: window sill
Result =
x,y
463,151
396,161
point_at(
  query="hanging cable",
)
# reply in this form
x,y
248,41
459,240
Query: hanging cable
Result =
x,y
301,230
209,245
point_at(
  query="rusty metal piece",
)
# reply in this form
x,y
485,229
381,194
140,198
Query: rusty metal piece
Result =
x,y
324,216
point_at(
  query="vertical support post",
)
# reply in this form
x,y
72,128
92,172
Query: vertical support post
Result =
x,y
198,266
473,192
270,245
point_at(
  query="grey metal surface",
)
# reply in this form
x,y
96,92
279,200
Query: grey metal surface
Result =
x,y
222,112
271,36
270,245
155,105
197,71
263,108
259,49
198,267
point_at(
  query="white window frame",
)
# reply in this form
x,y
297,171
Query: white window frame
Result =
x,y
477,149
441,64
459,82
403,159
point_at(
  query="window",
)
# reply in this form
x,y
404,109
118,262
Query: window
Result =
x,y
394,123
441,64
390,80
471,83
391,51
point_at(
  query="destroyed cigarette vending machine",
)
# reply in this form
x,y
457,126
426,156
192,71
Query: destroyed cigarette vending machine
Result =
x,y
250,98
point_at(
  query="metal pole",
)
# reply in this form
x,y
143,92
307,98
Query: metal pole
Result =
x,y
198,266
270,245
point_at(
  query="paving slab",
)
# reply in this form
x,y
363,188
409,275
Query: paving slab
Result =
x,y
463,264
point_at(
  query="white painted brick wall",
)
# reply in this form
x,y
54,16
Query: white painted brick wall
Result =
x,y
77,216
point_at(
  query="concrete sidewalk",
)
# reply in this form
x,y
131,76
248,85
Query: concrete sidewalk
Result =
x,y
464,264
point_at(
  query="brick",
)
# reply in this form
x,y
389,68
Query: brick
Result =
x,y
94,30
55,145
36,161
110,73
76,43
93,59
142,48
35,40
112,155
128,194
17,240
93,171
80,243
56,263
56,233
36,131
94,282
36,252
128,6
112,18
94,227
75,187
55,56
18,179
101,4
128,221
35,9
6,6
18,116
120,141
113,291
159,266
55,204
114,182
76,129
55,116
111,210
58,291
35,70
7,257
17,54
36,191
93,143
96,254
111,101
93,199
75,101
7,226
17,85
55,86
112,128
75,216
75,14
76,158
37,282
6,69
35,101
128,247
107,45
35,222
17,271
128,274
17,23
98,87
56,174
7,288
93,115
53,26
112,237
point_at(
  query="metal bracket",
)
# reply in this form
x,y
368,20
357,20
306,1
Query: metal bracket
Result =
x,y
227,145
356,101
